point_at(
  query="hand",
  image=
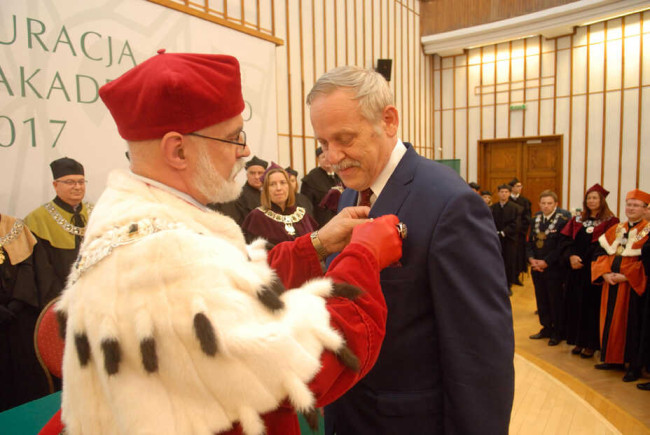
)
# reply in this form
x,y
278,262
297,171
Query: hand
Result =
x,y
612,278
576,262
382,239
542,264
609,278
335,235
6,315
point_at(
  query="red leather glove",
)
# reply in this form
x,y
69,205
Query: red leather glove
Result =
x,y
381,237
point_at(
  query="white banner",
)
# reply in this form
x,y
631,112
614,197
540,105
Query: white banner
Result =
x,y
54,56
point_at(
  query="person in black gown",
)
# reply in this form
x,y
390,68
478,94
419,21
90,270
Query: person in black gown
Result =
x,y
21,376
301,200
582,298
278,219
317,184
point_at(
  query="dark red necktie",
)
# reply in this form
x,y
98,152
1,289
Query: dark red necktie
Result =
x,y
364,197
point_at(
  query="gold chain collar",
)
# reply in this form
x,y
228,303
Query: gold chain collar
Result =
x,y
67,226
287,220
16,229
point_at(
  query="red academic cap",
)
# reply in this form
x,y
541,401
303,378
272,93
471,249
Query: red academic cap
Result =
x,y
182,92
597,188
638,194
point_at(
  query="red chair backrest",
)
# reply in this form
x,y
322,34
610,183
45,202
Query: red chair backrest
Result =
x,y
48,342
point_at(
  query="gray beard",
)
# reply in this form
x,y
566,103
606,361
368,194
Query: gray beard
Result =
x,y
212,185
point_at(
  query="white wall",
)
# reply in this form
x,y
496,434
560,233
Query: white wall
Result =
x,y
593,88
115,34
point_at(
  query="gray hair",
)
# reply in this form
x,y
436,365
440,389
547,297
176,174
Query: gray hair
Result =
x,y
369,87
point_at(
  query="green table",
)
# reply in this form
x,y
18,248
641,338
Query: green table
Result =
x,y
29,418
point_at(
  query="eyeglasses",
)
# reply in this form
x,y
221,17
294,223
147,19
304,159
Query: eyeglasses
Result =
x,y
71,183
242,138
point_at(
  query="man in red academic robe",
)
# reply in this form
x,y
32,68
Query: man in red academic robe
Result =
x,y
620,270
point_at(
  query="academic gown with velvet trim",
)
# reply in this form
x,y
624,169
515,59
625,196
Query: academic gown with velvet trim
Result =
x,y
617,301
257,224
582,299
54,260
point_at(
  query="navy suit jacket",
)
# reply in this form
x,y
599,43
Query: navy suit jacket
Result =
x,y
446,364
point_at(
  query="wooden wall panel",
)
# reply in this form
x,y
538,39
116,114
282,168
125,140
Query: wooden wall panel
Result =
x,y
322,34
592,87
445,15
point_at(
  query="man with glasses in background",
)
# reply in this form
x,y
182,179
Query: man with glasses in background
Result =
x,y
59,226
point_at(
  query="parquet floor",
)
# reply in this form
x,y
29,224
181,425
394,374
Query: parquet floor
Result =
x,y
564,402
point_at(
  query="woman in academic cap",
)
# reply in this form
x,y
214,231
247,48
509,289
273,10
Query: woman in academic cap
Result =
x,y
278,219
21,377
582,300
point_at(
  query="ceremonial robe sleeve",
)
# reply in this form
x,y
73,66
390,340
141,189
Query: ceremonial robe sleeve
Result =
x,y
633,271
362,321
600,267
295,262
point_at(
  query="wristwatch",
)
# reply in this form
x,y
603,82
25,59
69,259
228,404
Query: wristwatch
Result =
x,y
318,246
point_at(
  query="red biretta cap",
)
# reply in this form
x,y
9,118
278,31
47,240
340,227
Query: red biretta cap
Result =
x,y
638,194
597,188
182,92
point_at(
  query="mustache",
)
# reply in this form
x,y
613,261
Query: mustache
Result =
x,y
345,164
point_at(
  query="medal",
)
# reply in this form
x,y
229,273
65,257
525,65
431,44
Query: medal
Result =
x,y
539,244
288,227
2,256
620,249
589,230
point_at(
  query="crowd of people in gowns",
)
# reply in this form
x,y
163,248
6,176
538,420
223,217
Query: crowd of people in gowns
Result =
x,y
589,271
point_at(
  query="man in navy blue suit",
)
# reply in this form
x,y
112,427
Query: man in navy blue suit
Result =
x,y
446,364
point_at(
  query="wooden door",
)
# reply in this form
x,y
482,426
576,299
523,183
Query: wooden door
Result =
x,y
536,162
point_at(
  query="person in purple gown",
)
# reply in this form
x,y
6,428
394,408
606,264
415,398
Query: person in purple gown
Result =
x,y
278,219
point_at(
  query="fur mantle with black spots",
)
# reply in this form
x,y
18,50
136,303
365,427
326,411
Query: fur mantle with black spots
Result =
x,y
182,330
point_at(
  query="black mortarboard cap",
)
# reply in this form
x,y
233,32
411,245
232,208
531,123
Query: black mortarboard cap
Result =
x,y
256,161
66,166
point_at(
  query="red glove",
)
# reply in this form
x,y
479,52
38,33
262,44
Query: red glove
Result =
x,y
381,237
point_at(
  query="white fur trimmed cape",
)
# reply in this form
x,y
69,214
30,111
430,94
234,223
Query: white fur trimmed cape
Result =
x,y
173,325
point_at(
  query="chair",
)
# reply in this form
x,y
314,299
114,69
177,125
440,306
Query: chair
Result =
x,y
48,343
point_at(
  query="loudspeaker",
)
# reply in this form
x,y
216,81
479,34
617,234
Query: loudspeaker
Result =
x,y
384,67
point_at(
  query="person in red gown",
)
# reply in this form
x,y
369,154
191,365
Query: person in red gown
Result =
x,y
621,273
